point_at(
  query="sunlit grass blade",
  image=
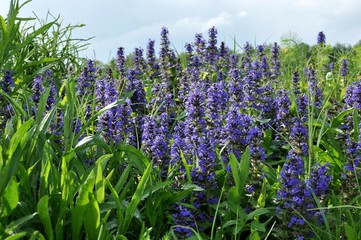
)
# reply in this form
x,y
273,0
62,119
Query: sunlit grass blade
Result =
x,y
44,215
136,198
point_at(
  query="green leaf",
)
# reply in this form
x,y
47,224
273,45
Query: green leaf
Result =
x,y
43,210
16,225
244,168
16,236
120,209
92,218
135,156
19,110
186,167
254,235
234,199
257,226
257,212
235,170
15,153
336,121
155,188
99,183
10,198
350,232
81,204
136,198
84,141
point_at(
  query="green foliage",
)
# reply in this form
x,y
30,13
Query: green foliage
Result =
x,y
29,51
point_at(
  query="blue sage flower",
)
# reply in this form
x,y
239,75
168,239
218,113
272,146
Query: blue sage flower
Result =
x,y
275,62
87,79
120,61
321,39
212,50
344,68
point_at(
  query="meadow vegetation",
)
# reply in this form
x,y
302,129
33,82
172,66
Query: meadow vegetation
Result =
x,y
258,141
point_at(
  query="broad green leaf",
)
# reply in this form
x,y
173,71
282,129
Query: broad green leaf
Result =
x,y
254,235
259,227
15,153
82,201
10,197
135,157
43,210
244,168
3,28
234,199
257,212
350,232
99,184
235,171
92,218
261,201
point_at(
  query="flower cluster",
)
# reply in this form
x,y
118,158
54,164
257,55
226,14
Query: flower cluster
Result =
x,y
297,193
6,84
321,39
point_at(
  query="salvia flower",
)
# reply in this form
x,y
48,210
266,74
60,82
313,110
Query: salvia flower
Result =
x,y
139,61
134,83
321,39
155,142
296,83
120,61
344,68
283,105
183,219
275,62
37,89
247,59
87,79
319,180
7,82
302,106
153,66
351,172
199,44
295,193
212,50
216,106
165,51
236,129
262,58
314,89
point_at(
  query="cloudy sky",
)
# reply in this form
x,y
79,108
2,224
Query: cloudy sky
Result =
x,y
127,23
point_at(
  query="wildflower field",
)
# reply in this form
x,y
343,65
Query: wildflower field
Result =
x,y
253,141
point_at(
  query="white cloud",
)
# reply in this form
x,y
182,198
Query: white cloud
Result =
x,y
242,14
222,19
